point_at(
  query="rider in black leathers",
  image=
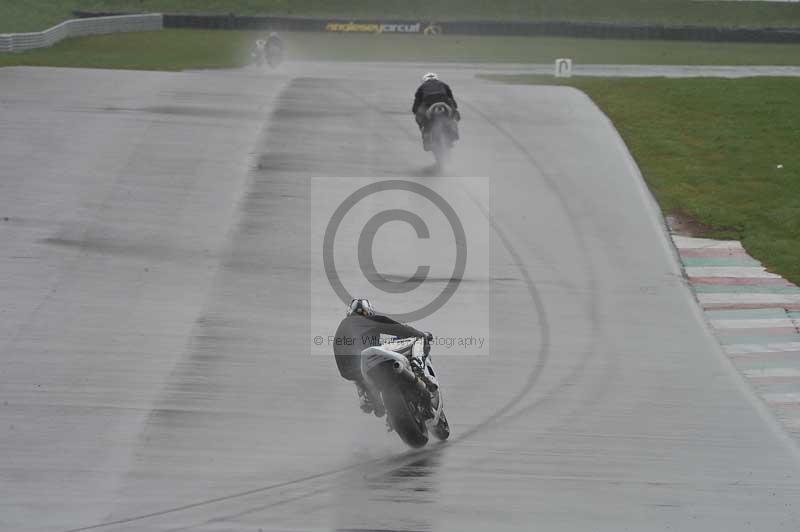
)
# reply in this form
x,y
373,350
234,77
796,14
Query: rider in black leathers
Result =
x,y
431,91
275,42
269,49
360,329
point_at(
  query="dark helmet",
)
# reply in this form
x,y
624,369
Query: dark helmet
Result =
x,y
360,306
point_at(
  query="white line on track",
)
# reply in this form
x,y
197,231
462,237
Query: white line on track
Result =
x,y
742,349
730,271
752,324
748,299
772,372
782,398
683,242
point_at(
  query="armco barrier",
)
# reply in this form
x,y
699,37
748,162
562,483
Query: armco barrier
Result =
x,y
227,22
599,30
15,42
596,30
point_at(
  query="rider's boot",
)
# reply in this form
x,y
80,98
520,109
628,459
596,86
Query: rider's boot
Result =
x,y
364,399
426,138
369,401
377,404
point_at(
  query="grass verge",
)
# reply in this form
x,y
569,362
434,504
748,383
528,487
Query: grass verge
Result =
x,y
35,15
152,50
188,49
709,149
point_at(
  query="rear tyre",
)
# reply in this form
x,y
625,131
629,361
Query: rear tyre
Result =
x,y
440,143
405,418
274,56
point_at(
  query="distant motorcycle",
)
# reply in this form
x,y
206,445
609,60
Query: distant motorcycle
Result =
x,y
268,52
442,130
401,372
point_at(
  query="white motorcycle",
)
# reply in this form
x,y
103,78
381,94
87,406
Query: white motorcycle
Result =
x,y
401,373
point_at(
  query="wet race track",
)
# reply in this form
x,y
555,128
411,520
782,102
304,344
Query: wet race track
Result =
x,y
160,290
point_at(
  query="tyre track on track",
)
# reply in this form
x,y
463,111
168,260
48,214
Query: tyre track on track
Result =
x,y
595,315
499,417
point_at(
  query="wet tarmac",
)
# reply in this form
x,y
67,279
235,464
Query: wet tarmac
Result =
x,y
160,288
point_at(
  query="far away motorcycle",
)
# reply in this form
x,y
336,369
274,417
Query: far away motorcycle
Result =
x,y
268,53
441,130
402,374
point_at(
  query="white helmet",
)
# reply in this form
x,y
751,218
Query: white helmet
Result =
x,y
430,75
360,306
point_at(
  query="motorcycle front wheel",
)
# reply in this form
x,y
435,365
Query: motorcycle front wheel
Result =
x,y
442,429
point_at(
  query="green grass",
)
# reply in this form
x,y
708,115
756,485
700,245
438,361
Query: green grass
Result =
x,y
159,50
187,49
34,15
709,149
538,50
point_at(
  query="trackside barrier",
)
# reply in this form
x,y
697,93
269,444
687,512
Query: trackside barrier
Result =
x,y
17,42
595,30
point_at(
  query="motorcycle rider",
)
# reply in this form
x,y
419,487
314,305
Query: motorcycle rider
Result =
x,y
274,42
431,91
361,328
264,47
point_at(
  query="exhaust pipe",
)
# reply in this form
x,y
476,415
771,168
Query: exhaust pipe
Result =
x,y
409,376
422,383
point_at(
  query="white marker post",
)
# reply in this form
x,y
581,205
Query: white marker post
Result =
x,y
563,68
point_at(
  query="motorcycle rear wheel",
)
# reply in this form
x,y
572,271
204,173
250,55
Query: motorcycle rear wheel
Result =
x,y
440,144
406,423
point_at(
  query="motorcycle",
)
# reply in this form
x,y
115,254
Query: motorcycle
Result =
x,y
442,130
274,55
400,372
268,53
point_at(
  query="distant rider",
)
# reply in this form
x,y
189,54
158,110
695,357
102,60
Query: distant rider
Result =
x,y
272,45
360,329
430,92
